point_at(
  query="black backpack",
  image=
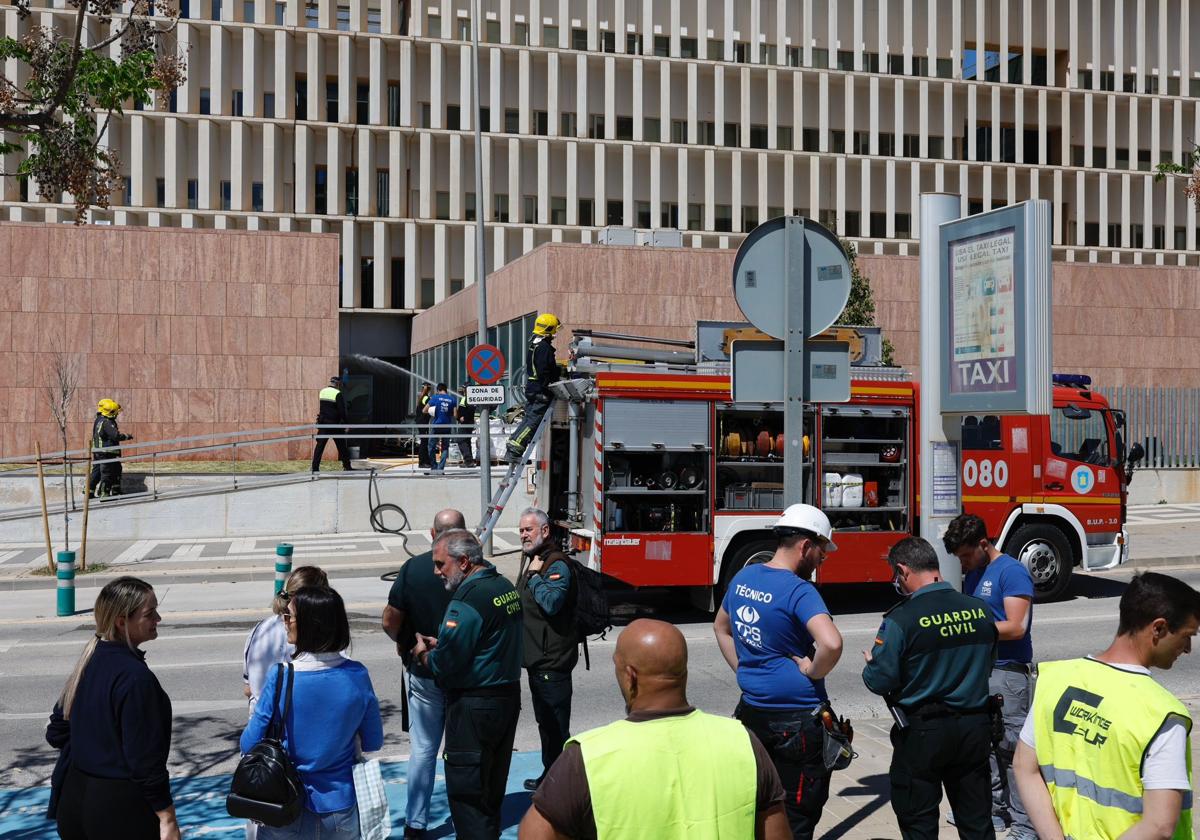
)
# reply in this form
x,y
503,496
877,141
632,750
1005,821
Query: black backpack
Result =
x,y
591,604
266,787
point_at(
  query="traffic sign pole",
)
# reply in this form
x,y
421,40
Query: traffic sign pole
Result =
x,y
796,291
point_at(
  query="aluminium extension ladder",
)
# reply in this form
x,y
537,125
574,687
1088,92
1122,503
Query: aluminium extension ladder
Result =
x,y
507,484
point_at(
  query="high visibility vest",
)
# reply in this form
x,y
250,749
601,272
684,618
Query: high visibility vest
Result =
x,y
329,394
1093,724
686,777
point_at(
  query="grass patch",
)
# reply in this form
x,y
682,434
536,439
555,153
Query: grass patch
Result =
x,y
93,568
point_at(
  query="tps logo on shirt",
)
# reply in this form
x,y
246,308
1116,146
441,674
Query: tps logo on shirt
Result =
x,y
985,589
747,617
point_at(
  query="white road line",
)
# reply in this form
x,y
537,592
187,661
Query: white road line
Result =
x,y
5,556
136,552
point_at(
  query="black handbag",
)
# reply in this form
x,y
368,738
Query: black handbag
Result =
x,y
266,787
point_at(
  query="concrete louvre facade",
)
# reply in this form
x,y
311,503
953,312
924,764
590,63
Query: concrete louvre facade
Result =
x,y
1123,325
193,332
354,117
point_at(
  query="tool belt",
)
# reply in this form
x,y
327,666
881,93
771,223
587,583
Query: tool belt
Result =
x,y
837,734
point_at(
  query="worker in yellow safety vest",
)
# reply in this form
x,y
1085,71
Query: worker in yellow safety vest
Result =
x,y
1105,751
667,771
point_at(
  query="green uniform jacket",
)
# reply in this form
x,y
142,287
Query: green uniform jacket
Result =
x,y
479,643
935,646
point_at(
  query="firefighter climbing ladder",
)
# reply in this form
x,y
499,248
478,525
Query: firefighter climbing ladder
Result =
x,y
507,484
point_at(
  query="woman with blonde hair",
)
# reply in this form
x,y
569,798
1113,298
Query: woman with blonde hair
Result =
x,y
112,724
267,645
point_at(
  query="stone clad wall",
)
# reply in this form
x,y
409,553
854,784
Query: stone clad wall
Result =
x,y
193,331
1122,324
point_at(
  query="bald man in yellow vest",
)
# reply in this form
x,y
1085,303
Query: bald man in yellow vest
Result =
x,y
624,781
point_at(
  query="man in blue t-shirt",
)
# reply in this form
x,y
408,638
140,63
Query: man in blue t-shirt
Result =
x,y
441,408
776,633
1007,588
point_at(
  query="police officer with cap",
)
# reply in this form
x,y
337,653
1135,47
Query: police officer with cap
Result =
x,y
476,659
332,412
776,633
931,661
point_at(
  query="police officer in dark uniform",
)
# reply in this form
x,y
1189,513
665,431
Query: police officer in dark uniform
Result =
x,y
548,595
931,661
476,659
332,412
543,372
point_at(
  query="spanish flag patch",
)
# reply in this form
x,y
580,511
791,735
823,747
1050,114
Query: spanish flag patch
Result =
x,y
450,625
555,577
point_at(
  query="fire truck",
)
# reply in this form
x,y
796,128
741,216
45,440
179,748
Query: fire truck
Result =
x,y
662,480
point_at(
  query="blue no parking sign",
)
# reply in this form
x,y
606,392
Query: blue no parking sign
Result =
x,y
485,364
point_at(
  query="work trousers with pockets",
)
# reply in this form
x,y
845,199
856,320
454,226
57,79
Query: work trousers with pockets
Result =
x,y
535,410
480,729
551,691
105,477
427,720
1015,687
343,451
92,808
793,738
949,751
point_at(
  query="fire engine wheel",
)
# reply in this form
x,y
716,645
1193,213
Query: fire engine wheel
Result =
x,y
755,551
1045,552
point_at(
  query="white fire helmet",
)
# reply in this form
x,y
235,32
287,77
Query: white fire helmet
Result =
x,y
806,518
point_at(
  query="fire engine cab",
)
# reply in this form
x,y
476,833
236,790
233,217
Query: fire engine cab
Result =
x,y
662,480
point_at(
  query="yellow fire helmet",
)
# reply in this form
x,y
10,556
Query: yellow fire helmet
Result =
x,y
109,408
546,324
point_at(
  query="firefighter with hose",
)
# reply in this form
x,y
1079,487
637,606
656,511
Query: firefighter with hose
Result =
x,y
543,372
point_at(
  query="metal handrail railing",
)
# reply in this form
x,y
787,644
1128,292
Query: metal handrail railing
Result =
x,y
420,433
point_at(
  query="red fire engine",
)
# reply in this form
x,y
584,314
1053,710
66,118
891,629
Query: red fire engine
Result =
x,y
663,481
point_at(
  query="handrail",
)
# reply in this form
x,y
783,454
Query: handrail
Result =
x,y
226,481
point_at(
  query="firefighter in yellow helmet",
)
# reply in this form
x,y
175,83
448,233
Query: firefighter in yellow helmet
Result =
x,y
105,479
542,372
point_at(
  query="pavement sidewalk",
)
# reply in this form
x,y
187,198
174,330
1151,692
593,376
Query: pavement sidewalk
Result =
x,y
859,804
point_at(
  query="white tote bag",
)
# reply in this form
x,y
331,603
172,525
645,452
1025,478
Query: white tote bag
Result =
x,y
374,818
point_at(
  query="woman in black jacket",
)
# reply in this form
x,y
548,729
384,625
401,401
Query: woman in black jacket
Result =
x,y
113,726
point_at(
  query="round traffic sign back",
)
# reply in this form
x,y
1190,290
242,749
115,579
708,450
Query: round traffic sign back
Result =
x,y
485,364
791,249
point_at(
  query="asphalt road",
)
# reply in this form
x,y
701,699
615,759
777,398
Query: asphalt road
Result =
x,y
198,658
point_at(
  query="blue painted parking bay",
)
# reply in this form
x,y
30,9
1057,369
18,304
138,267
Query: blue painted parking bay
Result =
x,y
200,804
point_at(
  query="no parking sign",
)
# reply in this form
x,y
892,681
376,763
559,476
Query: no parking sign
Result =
x,y
485,364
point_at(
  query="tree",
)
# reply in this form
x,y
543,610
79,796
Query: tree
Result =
x,y
860,308
62,384
59,113
1191,187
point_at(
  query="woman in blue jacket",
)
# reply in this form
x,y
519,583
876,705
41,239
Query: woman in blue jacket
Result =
x,y
334,714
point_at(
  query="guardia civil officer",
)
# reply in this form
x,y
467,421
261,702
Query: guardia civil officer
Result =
x,y
476,660
931,661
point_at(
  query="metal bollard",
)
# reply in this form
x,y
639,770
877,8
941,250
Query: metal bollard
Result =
x,y
283,565
66,583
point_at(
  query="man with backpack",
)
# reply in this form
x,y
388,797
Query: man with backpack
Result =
x,y
549,595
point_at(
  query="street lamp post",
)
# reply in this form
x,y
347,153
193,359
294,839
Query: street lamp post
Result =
x,y
485,435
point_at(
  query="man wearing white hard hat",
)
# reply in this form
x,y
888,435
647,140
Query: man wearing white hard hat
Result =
x,y
777,635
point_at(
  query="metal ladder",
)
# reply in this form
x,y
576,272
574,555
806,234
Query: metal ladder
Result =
x,y
507,484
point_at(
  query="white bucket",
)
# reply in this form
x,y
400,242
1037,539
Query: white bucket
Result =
x,y
833,489
852,490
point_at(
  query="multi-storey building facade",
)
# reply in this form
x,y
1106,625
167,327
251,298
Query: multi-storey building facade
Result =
x,y
354,116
